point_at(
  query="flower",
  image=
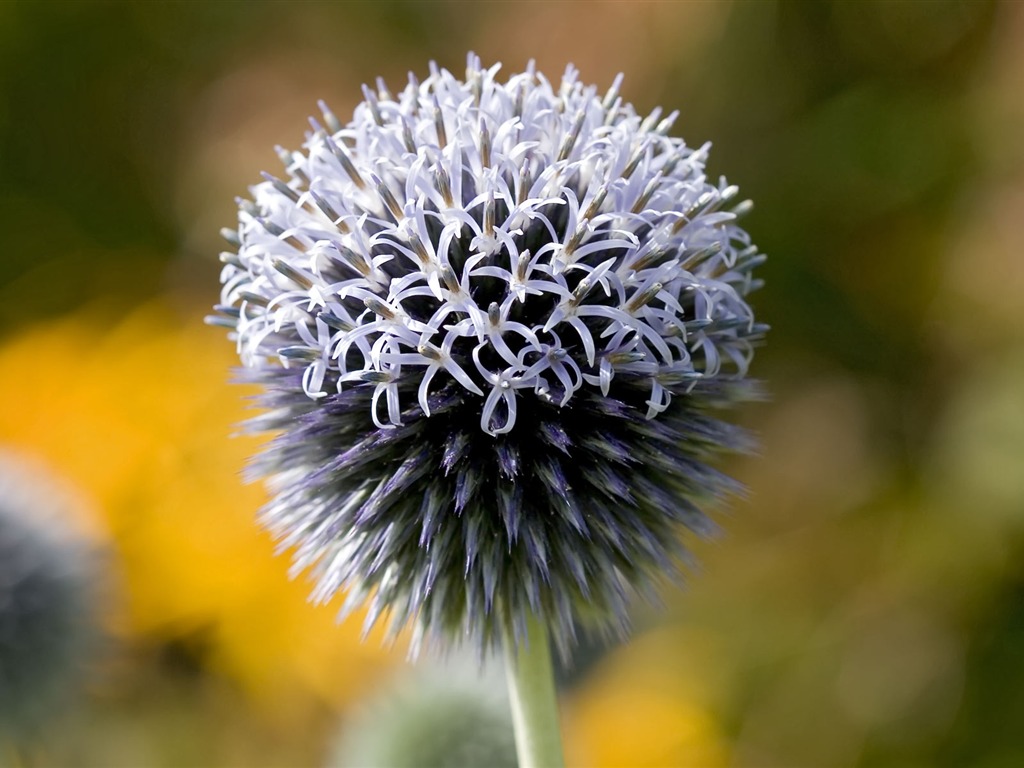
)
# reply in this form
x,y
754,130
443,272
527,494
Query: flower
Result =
x,y
491,320
48,580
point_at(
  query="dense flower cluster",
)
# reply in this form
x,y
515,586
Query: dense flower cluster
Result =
x,y
491,319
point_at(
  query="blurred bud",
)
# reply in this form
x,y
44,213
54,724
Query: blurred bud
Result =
x,y
447,716
48,579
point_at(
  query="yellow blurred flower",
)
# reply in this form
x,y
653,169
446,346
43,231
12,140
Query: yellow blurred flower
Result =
x,y
139,416
641,709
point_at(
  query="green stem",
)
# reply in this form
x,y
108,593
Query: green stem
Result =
x,y
531,689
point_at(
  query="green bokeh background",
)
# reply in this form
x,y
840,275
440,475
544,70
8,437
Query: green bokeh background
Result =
x,y
866,607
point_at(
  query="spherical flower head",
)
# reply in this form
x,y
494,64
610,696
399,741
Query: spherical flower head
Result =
x,y
492,320
48,577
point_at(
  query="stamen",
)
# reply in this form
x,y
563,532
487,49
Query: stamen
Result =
x,y
429,351
443,184
488,227
595,204
378,307
332,122
307,354
388,197
371,102
442,137
692,259
407,137
642,298
253,298
613,91
634,160
328,210
450,280
580,292
485,144
335,322
522,264
645,196
346,162
291,273
281,187
572,137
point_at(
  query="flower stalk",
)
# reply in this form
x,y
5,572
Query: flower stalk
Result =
x,y
531,690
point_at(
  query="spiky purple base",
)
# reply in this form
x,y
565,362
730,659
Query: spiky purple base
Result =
x,y
458,532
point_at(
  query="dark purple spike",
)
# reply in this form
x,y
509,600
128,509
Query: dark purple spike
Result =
x,y
608,406
609,482
363,453
373,506
431,510
465,485
510,500
489,571
576,518
417,589
607,528
608,447
551,474
440,558
473,594
471,535
379,544
454,450
376,445
653,429
537,551
411,470
553,433
386,495
433,570
653,546
675,507
440,402
508,458
532,586
574,562
653,455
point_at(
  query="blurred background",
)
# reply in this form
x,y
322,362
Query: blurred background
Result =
x,y
866,606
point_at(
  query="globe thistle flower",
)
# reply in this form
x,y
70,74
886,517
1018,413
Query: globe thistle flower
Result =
x,y
47,594
492,321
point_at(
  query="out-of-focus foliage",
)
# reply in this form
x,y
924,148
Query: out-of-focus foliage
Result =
x,y
865,607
